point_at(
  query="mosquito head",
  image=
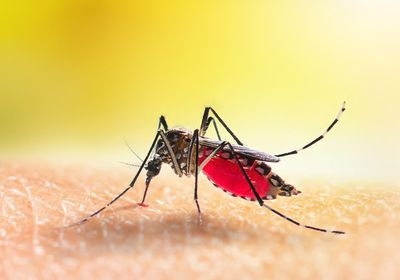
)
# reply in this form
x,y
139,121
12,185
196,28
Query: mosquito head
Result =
x,y
153,166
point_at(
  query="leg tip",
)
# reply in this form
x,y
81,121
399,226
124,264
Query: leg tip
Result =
x,y
338,232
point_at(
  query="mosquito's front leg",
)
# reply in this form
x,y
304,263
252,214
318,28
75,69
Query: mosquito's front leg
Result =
x,y
196,169
161,123
154,165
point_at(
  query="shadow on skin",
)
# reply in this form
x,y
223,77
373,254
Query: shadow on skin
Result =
x,y
161,232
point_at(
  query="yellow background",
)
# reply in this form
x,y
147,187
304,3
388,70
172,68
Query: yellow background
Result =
x,y
78,77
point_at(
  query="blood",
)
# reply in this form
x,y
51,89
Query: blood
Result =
x,y
226,174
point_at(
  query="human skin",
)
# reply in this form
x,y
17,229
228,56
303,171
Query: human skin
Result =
x,y
235,240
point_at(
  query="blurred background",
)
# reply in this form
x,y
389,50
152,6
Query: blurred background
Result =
x,y
79,77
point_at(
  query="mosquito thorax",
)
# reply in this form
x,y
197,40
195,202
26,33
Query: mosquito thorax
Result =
x,y
179,139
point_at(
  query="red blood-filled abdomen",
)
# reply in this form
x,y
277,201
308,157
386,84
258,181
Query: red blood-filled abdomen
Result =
x,y
225,173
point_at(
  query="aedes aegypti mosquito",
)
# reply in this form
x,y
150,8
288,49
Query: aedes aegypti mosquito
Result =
x,y
236,169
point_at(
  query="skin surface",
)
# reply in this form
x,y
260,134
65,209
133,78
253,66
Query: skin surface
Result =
x,y
236,240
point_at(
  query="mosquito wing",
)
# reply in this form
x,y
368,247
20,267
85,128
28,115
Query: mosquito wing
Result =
x,y
241,150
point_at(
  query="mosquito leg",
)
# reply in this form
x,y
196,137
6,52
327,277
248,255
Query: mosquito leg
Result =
x,y
209,121
162,122
199,168
127,189
178,170
319,137
196,163
261,202
253,189
204,126
213,153
196,169
189,152
209,157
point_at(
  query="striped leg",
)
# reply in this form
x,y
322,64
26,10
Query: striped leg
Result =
x,y
127,189
318,138
261,202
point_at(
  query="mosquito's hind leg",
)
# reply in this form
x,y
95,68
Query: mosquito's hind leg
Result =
x,y
342,109
261,202
154,165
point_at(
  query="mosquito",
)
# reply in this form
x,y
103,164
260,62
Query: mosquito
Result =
x,y
236,169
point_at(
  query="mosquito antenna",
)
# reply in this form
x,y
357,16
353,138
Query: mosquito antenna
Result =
x,y
130,164
301,225
342,109
133,152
